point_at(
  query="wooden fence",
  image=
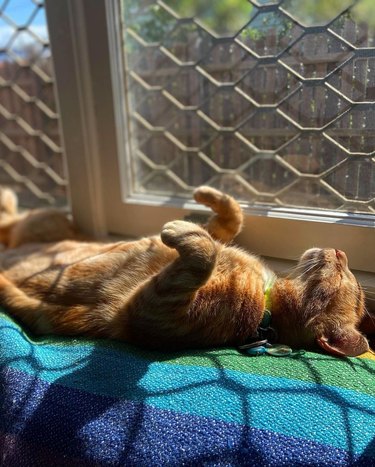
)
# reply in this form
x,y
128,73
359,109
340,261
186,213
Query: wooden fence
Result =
x,y
293,126
285,116
31,156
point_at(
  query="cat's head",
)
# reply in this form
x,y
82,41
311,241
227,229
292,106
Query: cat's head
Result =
x,y
332,301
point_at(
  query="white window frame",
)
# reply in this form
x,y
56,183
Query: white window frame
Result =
x,y
85,38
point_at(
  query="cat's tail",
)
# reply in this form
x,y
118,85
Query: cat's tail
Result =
x,y
40,226
35,226
8,203
227,221
8,214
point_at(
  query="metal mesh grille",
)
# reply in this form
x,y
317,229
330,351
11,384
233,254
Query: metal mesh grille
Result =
x,y
271,103
31,156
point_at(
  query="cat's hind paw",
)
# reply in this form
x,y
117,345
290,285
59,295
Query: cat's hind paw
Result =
x,y
208,196
227,221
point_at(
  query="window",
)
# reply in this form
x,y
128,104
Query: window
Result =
x,y
31,153
278,112
248,99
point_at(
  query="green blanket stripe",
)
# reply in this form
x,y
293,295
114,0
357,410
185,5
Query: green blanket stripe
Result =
x,y
310,367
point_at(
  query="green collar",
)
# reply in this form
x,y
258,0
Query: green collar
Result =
x,y
267,315
267,296
263,334
265,324
265,331
266,320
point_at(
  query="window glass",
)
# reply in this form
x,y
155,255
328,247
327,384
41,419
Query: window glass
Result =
x,y
271,102
31,155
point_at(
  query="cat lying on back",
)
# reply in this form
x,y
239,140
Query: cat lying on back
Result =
x,y
182,289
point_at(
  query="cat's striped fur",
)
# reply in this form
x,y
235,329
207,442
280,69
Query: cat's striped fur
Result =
x,y
186,288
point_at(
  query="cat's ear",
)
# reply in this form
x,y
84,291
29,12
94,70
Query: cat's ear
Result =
x,y
347,342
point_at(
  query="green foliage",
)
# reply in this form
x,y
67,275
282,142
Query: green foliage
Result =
x,y
263,23
227,17
219,10
222,17
152,22
364,12
316,12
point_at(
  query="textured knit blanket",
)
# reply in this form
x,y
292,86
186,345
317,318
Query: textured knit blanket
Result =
x,y
77,402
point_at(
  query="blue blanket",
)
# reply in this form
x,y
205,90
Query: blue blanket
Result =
x,y
78,402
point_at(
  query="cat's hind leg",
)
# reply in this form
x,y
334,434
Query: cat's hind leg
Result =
x,y
158,310
227,221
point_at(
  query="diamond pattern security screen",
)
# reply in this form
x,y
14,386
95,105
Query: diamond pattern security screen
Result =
x,y
31,156
271,101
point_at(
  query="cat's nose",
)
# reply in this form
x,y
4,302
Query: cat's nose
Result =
x,y
341,256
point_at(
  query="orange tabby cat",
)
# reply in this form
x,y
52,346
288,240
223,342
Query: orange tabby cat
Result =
x,y
182,289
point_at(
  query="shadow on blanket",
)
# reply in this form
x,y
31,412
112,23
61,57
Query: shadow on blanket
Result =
x,y
77,402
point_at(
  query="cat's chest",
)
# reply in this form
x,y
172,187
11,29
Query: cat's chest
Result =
x,y
235,293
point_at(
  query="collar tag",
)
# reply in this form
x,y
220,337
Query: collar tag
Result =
x,y
266,320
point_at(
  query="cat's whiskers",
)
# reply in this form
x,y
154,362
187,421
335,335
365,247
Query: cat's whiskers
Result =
x,y
370,315
369,294
372,320
302,270
310,262
297,271
368,290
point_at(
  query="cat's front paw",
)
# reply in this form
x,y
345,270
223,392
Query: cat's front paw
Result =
x,y
191,241
175,233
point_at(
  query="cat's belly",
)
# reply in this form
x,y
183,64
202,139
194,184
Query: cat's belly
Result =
x,y
76,288
80,260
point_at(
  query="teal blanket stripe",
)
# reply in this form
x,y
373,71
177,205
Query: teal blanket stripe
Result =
x,y
263,402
